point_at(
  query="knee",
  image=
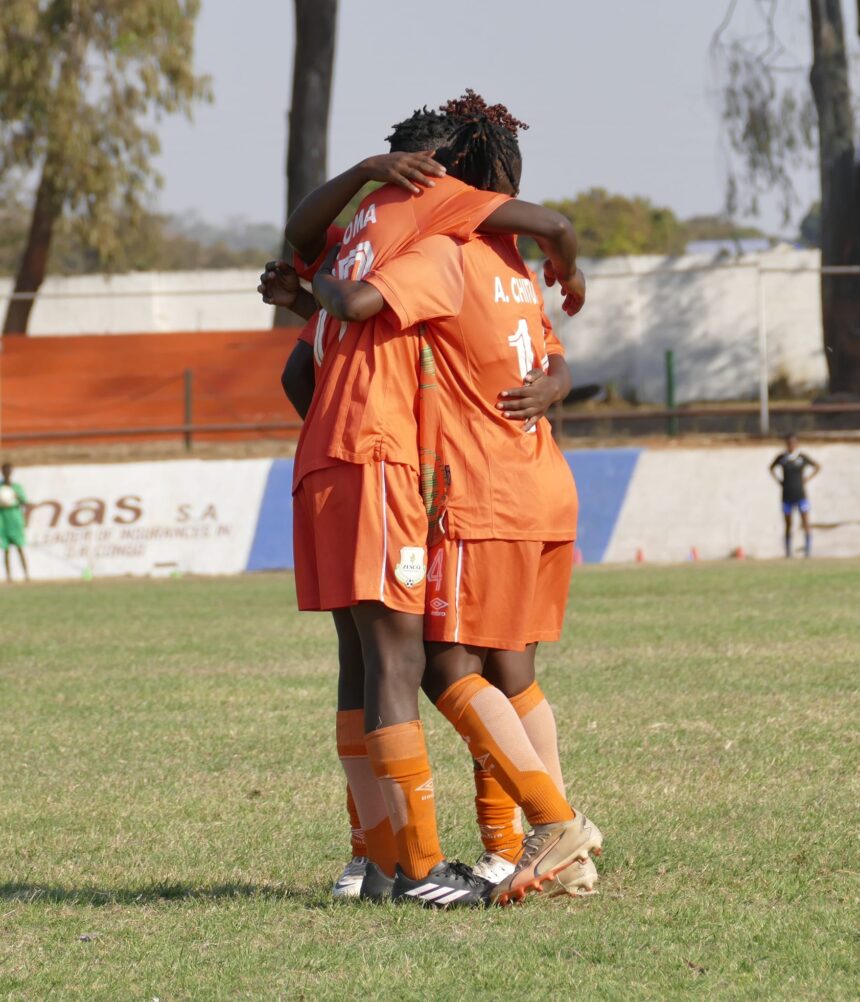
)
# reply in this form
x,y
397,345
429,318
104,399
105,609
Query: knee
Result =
x,y
401,668
438,678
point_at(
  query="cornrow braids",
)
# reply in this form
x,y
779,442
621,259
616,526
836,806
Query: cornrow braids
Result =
x,y
423,130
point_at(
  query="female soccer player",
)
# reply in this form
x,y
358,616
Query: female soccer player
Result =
x,y
487,152
12,531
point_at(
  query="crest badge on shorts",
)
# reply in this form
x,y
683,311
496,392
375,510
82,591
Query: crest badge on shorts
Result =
x,y
412,567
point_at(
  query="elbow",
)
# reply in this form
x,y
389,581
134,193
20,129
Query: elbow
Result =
x,y
354,312
555,226
565,234
297,379
556,231
349,306
298,241
293,238
341,307
288,382
345,300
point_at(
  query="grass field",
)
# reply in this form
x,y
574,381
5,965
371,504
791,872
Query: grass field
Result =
x,y
171,805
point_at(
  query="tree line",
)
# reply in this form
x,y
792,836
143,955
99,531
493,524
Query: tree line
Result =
x,y
608,225
154,242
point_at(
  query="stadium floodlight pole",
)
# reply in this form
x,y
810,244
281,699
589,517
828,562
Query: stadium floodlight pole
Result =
x,y
764,403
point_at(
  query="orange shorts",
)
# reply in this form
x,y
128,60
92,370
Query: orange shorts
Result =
x,y
497,593
359,534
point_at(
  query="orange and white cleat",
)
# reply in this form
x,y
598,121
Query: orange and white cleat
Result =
x,y
579,880
547,851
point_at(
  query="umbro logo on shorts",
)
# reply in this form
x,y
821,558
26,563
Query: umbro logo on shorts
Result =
x,y
439,895
438,607
425,787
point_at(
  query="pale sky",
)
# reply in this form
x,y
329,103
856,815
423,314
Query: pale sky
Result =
x,y
619,94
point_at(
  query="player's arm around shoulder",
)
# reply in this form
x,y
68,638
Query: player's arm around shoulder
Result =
x,y
307,225
344,299
556,238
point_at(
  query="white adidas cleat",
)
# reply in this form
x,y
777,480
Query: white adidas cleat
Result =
x,y
493,868
348,884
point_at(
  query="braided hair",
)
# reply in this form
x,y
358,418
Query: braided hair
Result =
x,y
423,130
482,150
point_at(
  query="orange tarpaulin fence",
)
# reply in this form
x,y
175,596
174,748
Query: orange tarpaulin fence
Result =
x,y
57,388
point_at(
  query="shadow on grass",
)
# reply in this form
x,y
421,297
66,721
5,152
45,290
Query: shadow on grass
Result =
x,y
310,897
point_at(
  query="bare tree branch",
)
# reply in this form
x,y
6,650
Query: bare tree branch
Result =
x,y
717,38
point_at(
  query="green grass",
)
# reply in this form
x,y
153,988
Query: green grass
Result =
x,y
171,807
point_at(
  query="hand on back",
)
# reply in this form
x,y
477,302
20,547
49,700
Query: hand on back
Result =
x,y
531,401
407,170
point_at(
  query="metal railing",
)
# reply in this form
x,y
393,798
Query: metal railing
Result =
x,y
762,270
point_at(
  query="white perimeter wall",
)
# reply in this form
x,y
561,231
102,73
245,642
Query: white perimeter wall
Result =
x,y
708,317
225,517
720,499
188,516
143,302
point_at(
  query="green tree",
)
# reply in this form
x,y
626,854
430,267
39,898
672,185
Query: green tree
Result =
x,y
154,242
773,119
80,84
718,228
608,225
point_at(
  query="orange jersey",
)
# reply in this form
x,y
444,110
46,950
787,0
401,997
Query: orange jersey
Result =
x,y
334,235
482,315
365,402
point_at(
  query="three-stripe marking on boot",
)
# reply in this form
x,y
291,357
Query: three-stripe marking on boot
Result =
x,y
437,894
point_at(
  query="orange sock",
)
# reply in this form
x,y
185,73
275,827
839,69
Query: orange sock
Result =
x,y
488,723
369,802
398,755
499,818
539,723
356,833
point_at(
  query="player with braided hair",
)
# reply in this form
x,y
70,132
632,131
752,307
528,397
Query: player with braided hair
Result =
x,y
423,130
483,150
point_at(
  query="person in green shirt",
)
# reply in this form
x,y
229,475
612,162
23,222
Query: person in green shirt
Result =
x,y
12,501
